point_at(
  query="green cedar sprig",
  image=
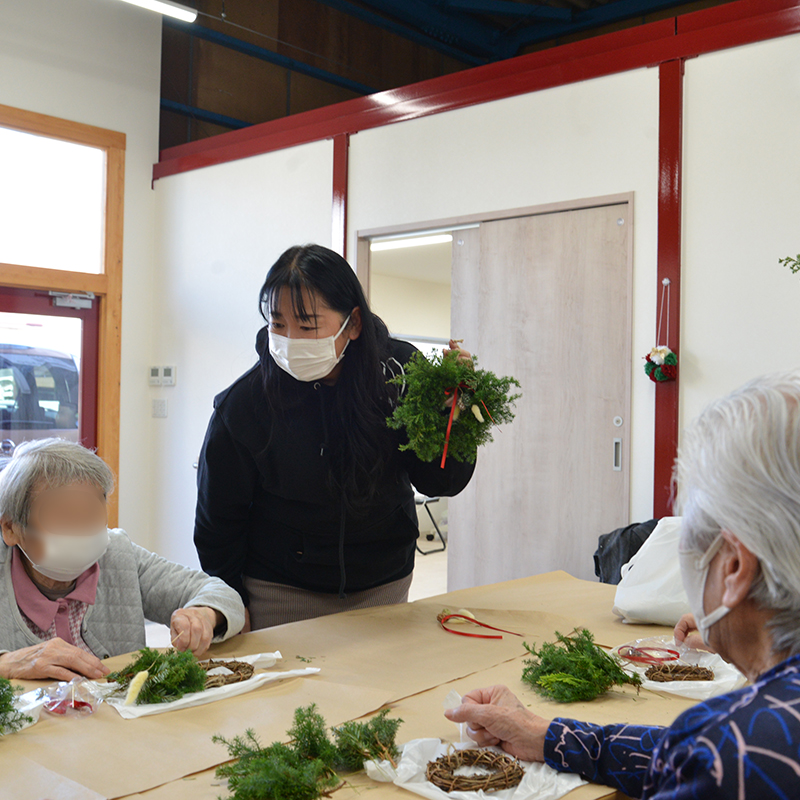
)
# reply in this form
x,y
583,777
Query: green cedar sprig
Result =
x,y
791,262
172,675
574,668
421,408
307,767
11,719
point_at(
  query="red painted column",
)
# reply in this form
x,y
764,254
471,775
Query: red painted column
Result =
x,y
341,150
670,140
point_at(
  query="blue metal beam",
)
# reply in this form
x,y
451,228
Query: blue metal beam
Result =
x,y
222,39
611,12
379,21
458,31
202,114
506,8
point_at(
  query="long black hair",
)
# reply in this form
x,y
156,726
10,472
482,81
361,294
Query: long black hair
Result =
x,y
359,438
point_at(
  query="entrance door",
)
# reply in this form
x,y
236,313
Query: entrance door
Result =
x,y
48,367
546,299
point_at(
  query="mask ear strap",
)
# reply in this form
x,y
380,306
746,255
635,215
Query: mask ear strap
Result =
x,y
344,325
709,554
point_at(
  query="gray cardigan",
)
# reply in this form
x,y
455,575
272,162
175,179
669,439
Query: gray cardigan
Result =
x,y
134,584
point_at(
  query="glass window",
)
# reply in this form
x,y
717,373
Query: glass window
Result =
x,y
52,203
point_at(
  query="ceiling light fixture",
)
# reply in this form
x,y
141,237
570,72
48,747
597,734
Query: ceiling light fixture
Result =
x,y
166,7
396,244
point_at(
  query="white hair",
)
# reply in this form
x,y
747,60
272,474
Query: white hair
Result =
x,y
47,463
738,469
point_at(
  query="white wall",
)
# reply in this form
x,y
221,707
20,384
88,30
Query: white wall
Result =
x,y
741,314
99,62
219,231
590,139
411,307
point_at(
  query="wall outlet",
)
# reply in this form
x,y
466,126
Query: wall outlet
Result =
x,y
159,409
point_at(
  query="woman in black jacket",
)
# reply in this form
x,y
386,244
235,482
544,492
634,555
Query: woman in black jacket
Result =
x,y
305,504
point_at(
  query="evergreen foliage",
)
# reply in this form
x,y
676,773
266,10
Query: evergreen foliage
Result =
x,y
306,767
357,742
172,675
574,668
11,719
421,408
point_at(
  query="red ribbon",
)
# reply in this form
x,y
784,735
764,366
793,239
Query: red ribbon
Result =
x,y
646,655
449,424
474,621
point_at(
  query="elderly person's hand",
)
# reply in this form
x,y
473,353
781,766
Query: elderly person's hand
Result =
x,y
54,658
193,628
686,633
495,716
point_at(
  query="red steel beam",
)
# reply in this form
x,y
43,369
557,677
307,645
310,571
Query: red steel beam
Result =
x,y
670,141
726,26
341,150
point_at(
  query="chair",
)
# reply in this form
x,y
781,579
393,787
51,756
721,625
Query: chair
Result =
x,y
425,501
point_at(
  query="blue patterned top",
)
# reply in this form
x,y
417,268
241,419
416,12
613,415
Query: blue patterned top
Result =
x,y
744,745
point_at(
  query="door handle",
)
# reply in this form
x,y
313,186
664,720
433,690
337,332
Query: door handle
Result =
x,y
617,455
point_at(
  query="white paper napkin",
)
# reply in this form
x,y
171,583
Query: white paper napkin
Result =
x,y
258,660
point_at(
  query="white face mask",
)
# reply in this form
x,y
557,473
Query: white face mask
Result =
x,y
306,359
694,571
66,556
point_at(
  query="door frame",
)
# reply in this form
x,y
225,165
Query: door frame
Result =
x,y
107,286
362,264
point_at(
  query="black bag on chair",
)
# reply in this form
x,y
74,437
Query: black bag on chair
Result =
x,y
618,547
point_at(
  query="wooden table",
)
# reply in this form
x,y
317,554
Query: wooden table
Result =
x,y
394,655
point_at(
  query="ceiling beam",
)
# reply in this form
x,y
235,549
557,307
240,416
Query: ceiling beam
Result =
x,y
262,53
380,21
507,8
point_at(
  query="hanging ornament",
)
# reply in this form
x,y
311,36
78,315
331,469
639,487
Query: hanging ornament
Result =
x,y
661,364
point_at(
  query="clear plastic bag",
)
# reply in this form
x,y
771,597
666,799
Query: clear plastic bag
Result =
x,y
76,698
638,656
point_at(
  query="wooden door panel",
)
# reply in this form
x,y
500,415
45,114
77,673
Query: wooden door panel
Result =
x,y
545,298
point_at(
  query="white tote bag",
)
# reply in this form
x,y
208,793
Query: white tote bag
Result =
x,y
651,589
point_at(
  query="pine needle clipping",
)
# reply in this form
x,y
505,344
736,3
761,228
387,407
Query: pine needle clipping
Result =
x,y
170,675
307,767
483,401
574,668
11,719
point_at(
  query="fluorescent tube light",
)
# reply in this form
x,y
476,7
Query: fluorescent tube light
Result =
x,y
396,244
166,7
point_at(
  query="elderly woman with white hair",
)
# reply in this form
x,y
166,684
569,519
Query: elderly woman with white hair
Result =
x,y
738,475
72,592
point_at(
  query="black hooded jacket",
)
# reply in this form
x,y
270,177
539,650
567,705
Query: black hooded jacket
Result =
x,y
265,509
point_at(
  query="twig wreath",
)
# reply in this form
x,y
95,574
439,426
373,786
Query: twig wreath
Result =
x,y
239,671
502,772
664,673
422,408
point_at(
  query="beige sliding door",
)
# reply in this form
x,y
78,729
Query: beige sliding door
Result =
x,y
546,298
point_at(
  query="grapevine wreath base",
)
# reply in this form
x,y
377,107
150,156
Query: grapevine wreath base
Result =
x,y
240,671
663,673
502,772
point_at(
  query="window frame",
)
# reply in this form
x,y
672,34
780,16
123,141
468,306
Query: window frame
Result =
x,y
107,285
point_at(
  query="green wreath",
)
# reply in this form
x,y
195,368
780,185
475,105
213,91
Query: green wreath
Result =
x,y
481,401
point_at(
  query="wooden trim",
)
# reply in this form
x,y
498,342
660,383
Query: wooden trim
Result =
x,y
57,280
56,128
110,345
670,138
107,286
